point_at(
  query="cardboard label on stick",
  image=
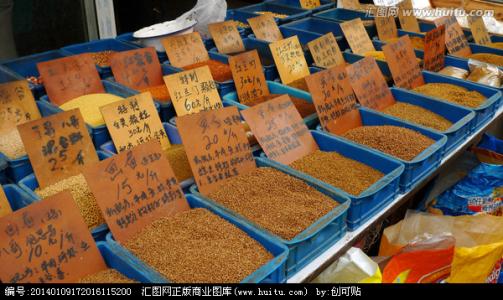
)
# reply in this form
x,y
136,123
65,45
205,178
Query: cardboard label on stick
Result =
x,y
134,121
226,37
455,39
408,20
479,30
47,242
280,130
403,64
193,91
186,49
137,69
434,49
265,28
70,77
5,208
248,76
309,4
58,146
289,58
357,37
135,188
332,94
369,85
325,51
219,148
17,105
386,27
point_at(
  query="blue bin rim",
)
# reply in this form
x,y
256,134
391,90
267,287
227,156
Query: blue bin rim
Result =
x,y
320,14
291,25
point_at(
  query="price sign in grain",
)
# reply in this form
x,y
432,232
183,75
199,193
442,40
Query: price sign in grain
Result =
x,y
386,27
134,121
219,147
265,28
248,76
186,49
193,91
455,39
332,94
280,130
434,49
135,188
350,4
369,84
289,58
357,37
47,242
479,30
70,77
17,105
5,208
325,51
309,4
138,68
226,37
58,146
408,20
403,64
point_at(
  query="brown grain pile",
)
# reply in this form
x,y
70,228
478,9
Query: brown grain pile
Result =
x,y
11,144
106,276
489,58
77,185
351,176
452,93
418,115
196,246
280,203
393,140
103,58
179,161
305,108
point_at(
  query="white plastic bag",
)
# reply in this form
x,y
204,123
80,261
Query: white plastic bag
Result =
x,y
206,12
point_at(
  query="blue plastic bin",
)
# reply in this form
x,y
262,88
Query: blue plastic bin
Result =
x,y
292,12
3,170
272,272
325,4
17,197
341,15
7,75
315,239
29,184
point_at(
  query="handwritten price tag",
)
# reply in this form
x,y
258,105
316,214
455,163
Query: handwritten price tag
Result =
x,y
17,105
408,20
434,49
5,208
455,39
265,28
479,30
357,37
137,69
226,37
325,51
403,64
248,76
289,58
186,49
386,27
309,4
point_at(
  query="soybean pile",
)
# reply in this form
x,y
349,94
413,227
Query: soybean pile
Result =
x,y
418,115
452,93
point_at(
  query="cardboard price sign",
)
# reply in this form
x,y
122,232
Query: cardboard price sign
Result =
x,y
226,37
386,27
5,208
434,49
17,105
186,49
248,76
403,64
406,17
193,91
47,242
455,39
70,77
369,84
219,147
479,30
289,59
58,146
134,121
346,122
350,4
332,94
137,69
280,130
135,188
325,51
357,37
265,28
309,4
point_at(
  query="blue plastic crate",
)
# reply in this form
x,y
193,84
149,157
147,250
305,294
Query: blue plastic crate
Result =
x,y
277,88
272,272
241,16
427,26
99,134
129,39
26,66
96,46
17,197
341,15
7,75
292,12
325,4
29,184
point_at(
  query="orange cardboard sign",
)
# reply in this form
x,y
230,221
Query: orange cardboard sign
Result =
x,y
408,20
248,76
346,122
403,64
186,49
47,242
309,4
369,84
386,27
58,146
325,51
350,4
455,39
5,208
193,91
434,49
265,28
332,94
134,121
135,188
479,30
17,105
70,77
280,130
289,59
226,37
357,37
137,69
219,148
